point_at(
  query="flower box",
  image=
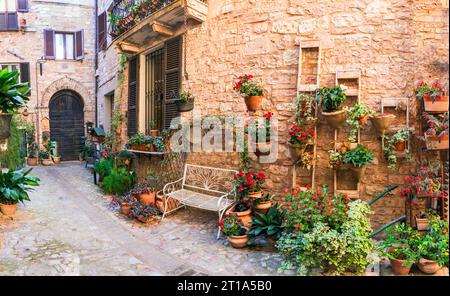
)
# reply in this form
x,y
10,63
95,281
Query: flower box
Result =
x,y
433,143
438,106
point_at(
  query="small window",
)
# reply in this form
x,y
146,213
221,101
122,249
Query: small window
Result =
x,y
8,6
64,46
11,67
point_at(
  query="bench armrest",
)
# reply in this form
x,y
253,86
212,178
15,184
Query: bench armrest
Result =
x,y
170,187
220,203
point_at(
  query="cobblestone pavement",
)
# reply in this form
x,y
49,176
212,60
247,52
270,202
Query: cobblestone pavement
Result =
x,y
68,228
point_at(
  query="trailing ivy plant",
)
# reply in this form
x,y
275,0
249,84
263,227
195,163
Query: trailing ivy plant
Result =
x,y
401,135
359,157
13,157
357,116
117,115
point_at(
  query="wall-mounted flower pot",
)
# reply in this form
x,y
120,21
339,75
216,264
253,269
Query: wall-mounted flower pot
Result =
x,y
185,107
423,223
359,172
428,266
296,151
32,161
8,210
238,241
399,267
400,146
262,148
5,125
335,119
436,107
381,122
253,103
435,144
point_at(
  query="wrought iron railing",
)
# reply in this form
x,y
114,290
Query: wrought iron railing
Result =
x,y
127,13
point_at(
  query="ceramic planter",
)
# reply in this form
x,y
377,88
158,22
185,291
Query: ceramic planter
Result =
x,y
435,144
335,119
436,107
32,161
428,266
245,216
148,198
262,148
423,223
8,210
400,146
399,267
56,159
185,107
5,125
125,208
263,207
253,103
381,122
238,241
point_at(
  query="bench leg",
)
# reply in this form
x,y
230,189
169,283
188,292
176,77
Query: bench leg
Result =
x,y
221,212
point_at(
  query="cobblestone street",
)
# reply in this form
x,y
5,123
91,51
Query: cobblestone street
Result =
x,y
68,228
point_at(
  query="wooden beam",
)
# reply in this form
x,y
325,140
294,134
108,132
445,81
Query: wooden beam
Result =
x,y
129,48
162,29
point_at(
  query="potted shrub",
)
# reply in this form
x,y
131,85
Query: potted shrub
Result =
x,y
13,95
358,115
436,133
269,225
331,99
358,158
56,157
423,220
253,92
249,183
185,102
263,204
232,227
433,247
14,188
260,131
394,144
382,122
119,181
399,247
143,213
104,168
299,140
32,159
435,98
45,158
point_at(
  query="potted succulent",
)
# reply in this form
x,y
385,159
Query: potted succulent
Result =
x,y
143,213
32,159
263,204
399,247
433,247
232,227
249,183
270,225
382,122
423,220
331,99
435,98
14,188
396,143
358,158
185,101
357,116
253,92
436,134
299,140
13,95
260,131
44,156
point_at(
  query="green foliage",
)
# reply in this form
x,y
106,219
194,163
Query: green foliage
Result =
x,y
140,138
355,116
14,185
159,143
359,157
304,108
12,157
434,244
13,95
119,181
325,247
186,96
44,154
231,225
330,98
125,154
401,135
104,167
267,225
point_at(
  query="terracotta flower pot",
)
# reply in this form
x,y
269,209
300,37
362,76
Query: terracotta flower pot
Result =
x,y
423,223
148,198
238,242
56,159
363,119
263,207
436,107
32,161
399,267
125,208
381,122
359,172
253,103
353,146
245,216
144,220
8,210
400,146
257,194
25,113
154,133
47,162
262,148
435,144
335,119
428,266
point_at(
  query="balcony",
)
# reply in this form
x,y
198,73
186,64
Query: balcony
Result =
x,y
136,23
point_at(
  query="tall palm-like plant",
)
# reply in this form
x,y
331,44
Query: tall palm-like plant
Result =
x,y
15,185
13,94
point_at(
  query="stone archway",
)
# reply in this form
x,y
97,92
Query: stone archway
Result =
x,y
64,83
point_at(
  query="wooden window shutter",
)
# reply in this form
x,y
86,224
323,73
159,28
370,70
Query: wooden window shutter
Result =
x,y
132,96
25,73
3,21
49,44
101,34
79,45
22,6
12,23
172,79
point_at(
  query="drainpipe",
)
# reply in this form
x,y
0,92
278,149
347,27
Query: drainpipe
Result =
x,y
38,138
96,61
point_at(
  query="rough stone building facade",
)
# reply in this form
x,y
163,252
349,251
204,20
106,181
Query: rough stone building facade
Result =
x,y
60,67
392,44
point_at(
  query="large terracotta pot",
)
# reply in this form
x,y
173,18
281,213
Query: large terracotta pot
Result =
x,y
436,145
400,146
436,107
245,216
253,103
423,223
32,161
154,133
381,122
148,198
335,119
428,266
5,125
238,242
8,210
399,267
263,207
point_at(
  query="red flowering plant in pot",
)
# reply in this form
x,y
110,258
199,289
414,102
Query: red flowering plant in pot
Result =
x,y
233,227
249,183
143,213
253,92
435,97
260,131
436,133
299,140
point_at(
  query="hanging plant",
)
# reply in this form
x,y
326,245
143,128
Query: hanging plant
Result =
x,y
357,116
434,96
253,92
397,142
304,108
436,133
331,99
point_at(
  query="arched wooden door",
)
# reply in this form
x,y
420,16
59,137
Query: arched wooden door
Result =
x,y
67,123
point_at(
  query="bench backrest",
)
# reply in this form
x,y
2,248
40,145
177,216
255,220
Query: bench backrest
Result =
x,y
216,180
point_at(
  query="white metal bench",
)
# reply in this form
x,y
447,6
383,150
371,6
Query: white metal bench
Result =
x,y
202,187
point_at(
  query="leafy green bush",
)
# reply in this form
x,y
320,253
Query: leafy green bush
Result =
x,y
330,98
104,167
13,95
119,181
267,225
12,157
324,246
359,157
434,244
14,185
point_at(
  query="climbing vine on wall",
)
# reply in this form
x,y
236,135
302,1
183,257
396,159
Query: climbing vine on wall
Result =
x,y
13,156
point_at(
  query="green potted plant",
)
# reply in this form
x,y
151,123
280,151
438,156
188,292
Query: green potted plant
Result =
x,y
32,152
423,220
124,157
249,183
436,133
433,247
434,96
394,144
253,92
119,181
140,142
269,225
264,203
159,144
14,188
154,132
233,228
184,101
331,99
358,158
357,116
104,168
304,108
335,159
44,156
399,247
143,213
382,122
13,95
56,157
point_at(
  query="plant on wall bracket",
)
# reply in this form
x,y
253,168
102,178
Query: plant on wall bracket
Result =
x,y
397,142
357,116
